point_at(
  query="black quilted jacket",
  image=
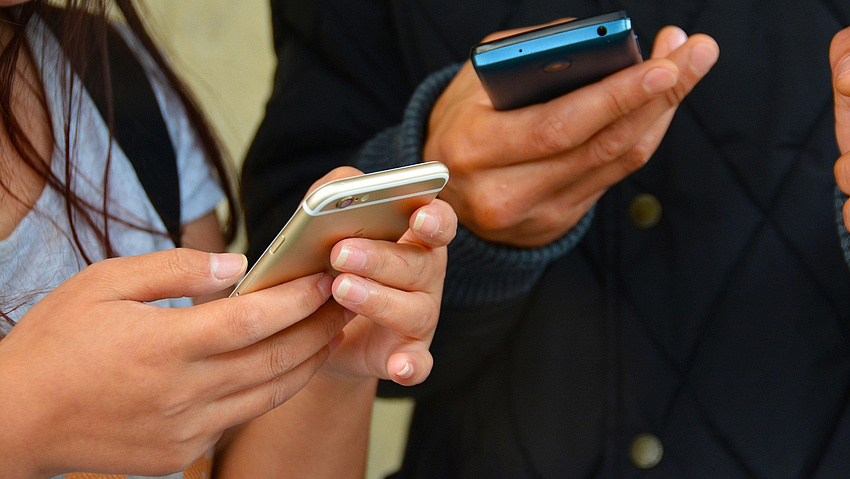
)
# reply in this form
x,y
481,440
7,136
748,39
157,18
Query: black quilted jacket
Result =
x,y
700,328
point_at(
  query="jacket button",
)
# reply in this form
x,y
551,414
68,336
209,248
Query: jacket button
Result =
x,y
646,451
645,211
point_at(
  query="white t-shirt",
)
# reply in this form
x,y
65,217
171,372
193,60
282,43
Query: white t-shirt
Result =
x,y
40,253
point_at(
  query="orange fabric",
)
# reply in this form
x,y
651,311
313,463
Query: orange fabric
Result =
x,y
85,475
201,469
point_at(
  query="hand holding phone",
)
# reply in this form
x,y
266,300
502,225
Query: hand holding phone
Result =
x,y
839,59
375,206
541,64
526,178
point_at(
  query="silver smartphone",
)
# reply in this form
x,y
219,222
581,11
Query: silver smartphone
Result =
x,y
374,205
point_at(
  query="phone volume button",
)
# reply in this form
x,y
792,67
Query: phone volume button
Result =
x,y
277,242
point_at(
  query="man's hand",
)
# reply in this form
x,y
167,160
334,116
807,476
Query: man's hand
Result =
x,y
525,177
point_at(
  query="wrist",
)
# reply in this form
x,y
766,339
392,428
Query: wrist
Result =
x,y
332,385
19,434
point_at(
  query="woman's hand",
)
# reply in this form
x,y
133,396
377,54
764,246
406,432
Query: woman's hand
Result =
x,y
396,289
95,379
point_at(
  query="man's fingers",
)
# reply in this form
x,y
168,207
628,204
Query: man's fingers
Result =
x,y
842,172
568,121
646,126
668,40
839,58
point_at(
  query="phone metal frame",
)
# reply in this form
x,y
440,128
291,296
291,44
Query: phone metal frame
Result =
x,y
542,64
374,205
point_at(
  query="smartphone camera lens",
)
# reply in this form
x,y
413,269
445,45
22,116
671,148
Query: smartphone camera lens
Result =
x,y
602,31
345,202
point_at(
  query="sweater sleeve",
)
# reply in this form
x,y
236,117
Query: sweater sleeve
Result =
x,y
843,234
479,273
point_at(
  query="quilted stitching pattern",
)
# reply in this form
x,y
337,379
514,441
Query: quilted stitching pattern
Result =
x,y
764,231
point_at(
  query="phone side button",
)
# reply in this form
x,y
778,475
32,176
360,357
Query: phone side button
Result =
x,y
276,244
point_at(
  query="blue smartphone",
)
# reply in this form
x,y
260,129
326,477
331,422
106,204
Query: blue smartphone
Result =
x,y
541,64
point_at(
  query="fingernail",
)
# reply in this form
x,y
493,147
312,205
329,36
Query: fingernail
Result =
x,y
325,285
659,80
703,57
351,291
227,265
406,372
426,224
677,39
352,259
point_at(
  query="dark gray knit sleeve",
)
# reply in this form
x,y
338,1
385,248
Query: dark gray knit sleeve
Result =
x,y
479,272
843,234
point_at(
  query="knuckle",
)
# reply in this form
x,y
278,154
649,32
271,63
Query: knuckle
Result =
x,y
447,145
307,300
677,94
376,263
842,172
279,393
282,357
333,323
605,148
634,160
178,263
553,134
418,267
501,211
244,322
282,388
424,323
103,271
616,104
380,304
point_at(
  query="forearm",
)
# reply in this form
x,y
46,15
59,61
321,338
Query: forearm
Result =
x,y
322,432
20,426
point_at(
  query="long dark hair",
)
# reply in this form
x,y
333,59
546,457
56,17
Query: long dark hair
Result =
x,y
84,26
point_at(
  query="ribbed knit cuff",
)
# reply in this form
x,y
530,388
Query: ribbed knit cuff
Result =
x,y
402,145
843,234
479,272
483,273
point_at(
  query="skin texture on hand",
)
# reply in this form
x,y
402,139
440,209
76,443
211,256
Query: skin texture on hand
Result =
x,y
839,58
395,289
112,383
525,177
